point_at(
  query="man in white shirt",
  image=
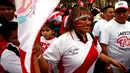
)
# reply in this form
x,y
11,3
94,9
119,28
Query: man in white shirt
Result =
x,y
108,14
115,35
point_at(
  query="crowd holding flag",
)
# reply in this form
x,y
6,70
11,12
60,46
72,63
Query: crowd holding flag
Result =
x,y
32,14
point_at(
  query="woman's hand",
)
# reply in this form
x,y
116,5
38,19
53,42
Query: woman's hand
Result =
x,y
119,65
37,50
37,53
112,61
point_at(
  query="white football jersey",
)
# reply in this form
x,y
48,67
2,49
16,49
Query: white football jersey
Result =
x,y
46,43
71,55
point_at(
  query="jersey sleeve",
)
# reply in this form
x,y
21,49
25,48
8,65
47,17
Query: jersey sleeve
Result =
x,y
11,62
99,49
104,35
54,53
96,29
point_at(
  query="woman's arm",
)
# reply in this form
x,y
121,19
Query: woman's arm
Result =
x,y
109,60
104,48
43,64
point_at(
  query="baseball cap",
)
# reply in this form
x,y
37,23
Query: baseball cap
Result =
x,y
121,4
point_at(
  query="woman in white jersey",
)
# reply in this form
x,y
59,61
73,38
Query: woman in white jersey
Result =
x,y
75,50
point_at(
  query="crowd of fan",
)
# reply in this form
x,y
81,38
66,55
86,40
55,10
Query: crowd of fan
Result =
x,y
110,26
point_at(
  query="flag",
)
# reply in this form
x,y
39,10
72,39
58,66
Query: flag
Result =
x,y
32,14
91,1
80,2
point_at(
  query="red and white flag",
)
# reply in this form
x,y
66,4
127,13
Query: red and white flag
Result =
x,y
31,16
91,1
81,3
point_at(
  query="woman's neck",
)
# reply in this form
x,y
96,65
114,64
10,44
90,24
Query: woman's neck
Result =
x,y
82,36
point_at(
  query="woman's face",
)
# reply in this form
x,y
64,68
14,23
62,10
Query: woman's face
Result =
x,y
83,25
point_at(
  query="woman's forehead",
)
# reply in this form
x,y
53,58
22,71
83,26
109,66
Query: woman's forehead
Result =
x,y
82,16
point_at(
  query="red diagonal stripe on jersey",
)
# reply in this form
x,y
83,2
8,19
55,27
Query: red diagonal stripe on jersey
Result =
x,y
22,56
89,60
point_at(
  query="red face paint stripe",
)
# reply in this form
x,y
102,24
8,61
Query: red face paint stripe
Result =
x,y
22,58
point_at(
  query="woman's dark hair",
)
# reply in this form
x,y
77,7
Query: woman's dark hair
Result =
x,y
50,24
76,12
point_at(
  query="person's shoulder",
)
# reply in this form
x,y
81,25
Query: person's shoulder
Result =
x,y
63,35
10,50
110,23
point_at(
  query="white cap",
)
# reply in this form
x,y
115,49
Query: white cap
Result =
x,y
121,4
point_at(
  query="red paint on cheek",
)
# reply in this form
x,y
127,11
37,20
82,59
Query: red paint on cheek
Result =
x,y
79,24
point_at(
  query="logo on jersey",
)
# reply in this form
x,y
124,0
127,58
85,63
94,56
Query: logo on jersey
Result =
x,y
74,51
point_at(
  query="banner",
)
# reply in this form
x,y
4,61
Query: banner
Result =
x,y
80,2
91,1
32,14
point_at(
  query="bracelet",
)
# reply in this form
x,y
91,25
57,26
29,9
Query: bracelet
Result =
x,y
39,56
108,66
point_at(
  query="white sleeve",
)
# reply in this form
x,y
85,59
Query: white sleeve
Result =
x,y
96,29
54,53
10,62
99,49
104,36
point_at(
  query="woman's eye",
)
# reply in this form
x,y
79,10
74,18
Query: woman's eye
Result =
x,y
83,19
89,19
47,30
86,19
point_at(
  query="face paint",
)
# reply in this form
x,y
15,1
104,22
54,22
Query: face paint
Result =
x,y
82,16
80,24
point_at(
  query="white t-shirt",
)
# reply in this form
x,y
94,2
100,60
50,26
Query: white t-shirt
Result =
x,y
10,61
117,37
98,26
72,55
46,43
